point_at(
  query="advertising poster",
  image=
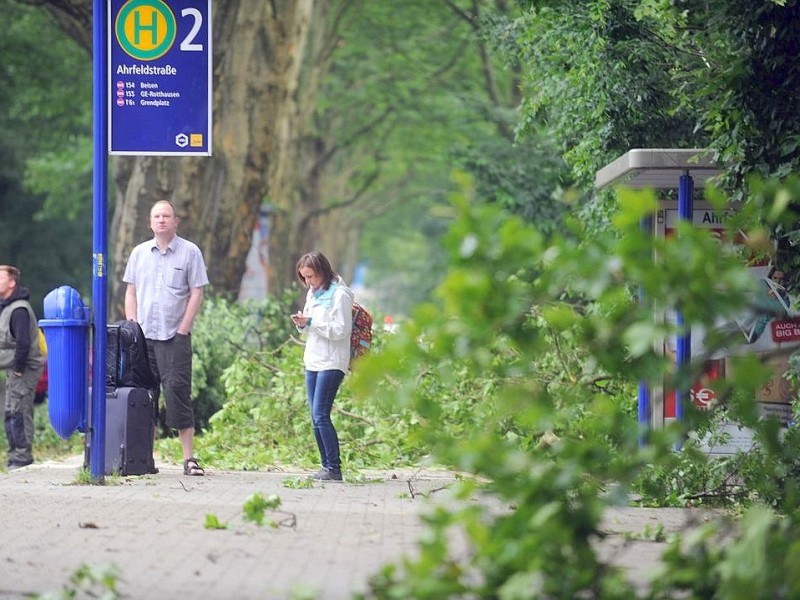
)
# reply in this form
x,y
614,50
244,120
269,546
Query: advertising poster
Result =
x,y
771,326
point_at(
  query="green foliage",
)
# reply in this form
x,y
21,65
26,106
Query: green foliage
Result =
x,y
689,478
547,320
46,87
756,564
597,75
606,76
482,320
88,581
749,51
774,214
213,522
84,477
45,153
525,179
653,533
434,99
298,483
56,175
256,505
224,331
265,422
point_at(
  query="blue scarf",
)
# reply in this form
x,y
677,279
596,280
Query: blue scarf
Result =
x,y
325,297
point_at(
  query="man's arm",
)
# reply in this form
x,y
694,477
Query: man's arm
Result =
x,y
20,326
130,302
192,308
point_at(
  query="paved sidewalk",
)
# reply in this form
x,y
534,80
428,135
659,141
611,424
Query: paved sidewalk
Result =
x,y
152,529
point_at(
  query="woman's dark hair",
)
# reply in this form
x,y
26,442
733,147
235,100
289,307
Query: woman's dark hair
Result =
x,y
317,262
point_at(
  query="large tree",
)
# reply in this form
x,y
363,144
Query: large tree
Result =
x,y
609,75
267,59
436,111
333,114
44,118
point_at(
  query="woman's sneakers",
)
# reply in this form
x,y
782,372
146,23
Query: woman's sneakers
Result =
x,y
327,475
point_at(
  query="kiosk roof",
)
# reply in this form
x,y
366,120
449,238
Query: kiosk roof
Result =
x,y
658,168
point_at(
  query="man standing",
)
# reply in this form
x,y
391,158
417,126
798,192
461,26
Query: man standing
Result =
x,y
20,354
165,278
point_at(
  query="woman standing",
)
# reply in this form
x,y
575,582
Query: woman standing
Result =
x,y
327,320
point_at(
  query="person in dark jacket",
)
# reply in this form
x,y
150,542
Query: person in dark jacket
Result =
x,y
21,357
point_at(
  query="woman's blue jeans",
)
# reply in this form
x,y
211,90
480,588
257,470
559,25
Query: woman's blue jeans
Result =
x,y
321,388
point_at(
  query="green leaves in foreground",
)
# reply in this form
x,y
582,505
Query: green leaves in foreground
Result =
x,y
213,522
553,331
254,511
88,581
255,507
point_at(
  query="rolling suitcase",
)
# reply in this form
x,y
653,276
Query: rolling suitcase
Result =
x,y
129,431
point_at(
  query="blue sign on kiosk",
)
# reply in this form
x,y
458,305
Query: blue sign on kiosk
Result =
x,y
159,77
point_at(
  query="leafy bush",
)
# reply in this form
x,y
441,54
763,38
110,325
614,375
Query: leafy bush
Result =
x,y
555,326
265,422
224,330
522,371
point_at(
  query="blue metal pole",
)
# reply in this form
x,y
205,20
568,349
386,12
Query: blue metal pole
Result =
x,y
683,346
97,423
644,400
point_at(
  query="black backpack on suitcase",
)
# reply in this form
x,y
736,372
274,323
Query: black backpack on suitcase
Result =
x,y
127,359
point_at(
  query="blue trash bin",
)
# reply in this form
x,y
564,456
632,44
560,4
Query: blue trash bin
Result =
x,y
66,331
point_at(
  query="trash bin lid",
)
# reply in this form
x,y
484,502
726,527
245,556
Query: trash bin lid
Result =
x,y
64,303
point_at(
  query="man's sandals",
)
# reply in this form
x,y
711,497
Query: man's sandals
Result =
x,y
192,467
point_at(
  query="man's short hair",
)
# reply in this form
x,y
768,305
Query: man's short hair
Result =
x,y
13,272
168,203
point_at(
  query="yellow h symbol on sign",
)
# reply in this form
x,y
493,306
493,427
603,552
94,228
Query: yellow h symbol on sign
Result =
x,y
139,27
145,29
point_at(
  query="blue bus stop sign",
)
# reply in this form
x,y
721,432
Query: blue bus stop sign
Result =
x,y
159,77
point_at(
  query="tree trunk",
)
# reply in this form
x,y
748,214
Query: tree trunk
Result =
x,y
296,174
259,53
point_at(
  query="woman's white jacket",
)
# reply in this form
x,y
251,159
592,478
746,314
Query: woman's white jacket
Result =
x,y
328,335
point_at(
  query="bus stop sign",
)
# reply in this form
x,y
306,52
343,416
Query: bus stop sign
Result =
x,y
159,77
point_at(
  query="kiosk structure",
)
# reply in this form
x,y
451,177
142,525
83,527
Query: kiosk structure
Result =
x,y
681,170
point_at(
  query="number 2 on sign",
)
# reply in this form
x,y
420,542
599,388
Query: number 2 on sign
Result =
x,y
188,45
